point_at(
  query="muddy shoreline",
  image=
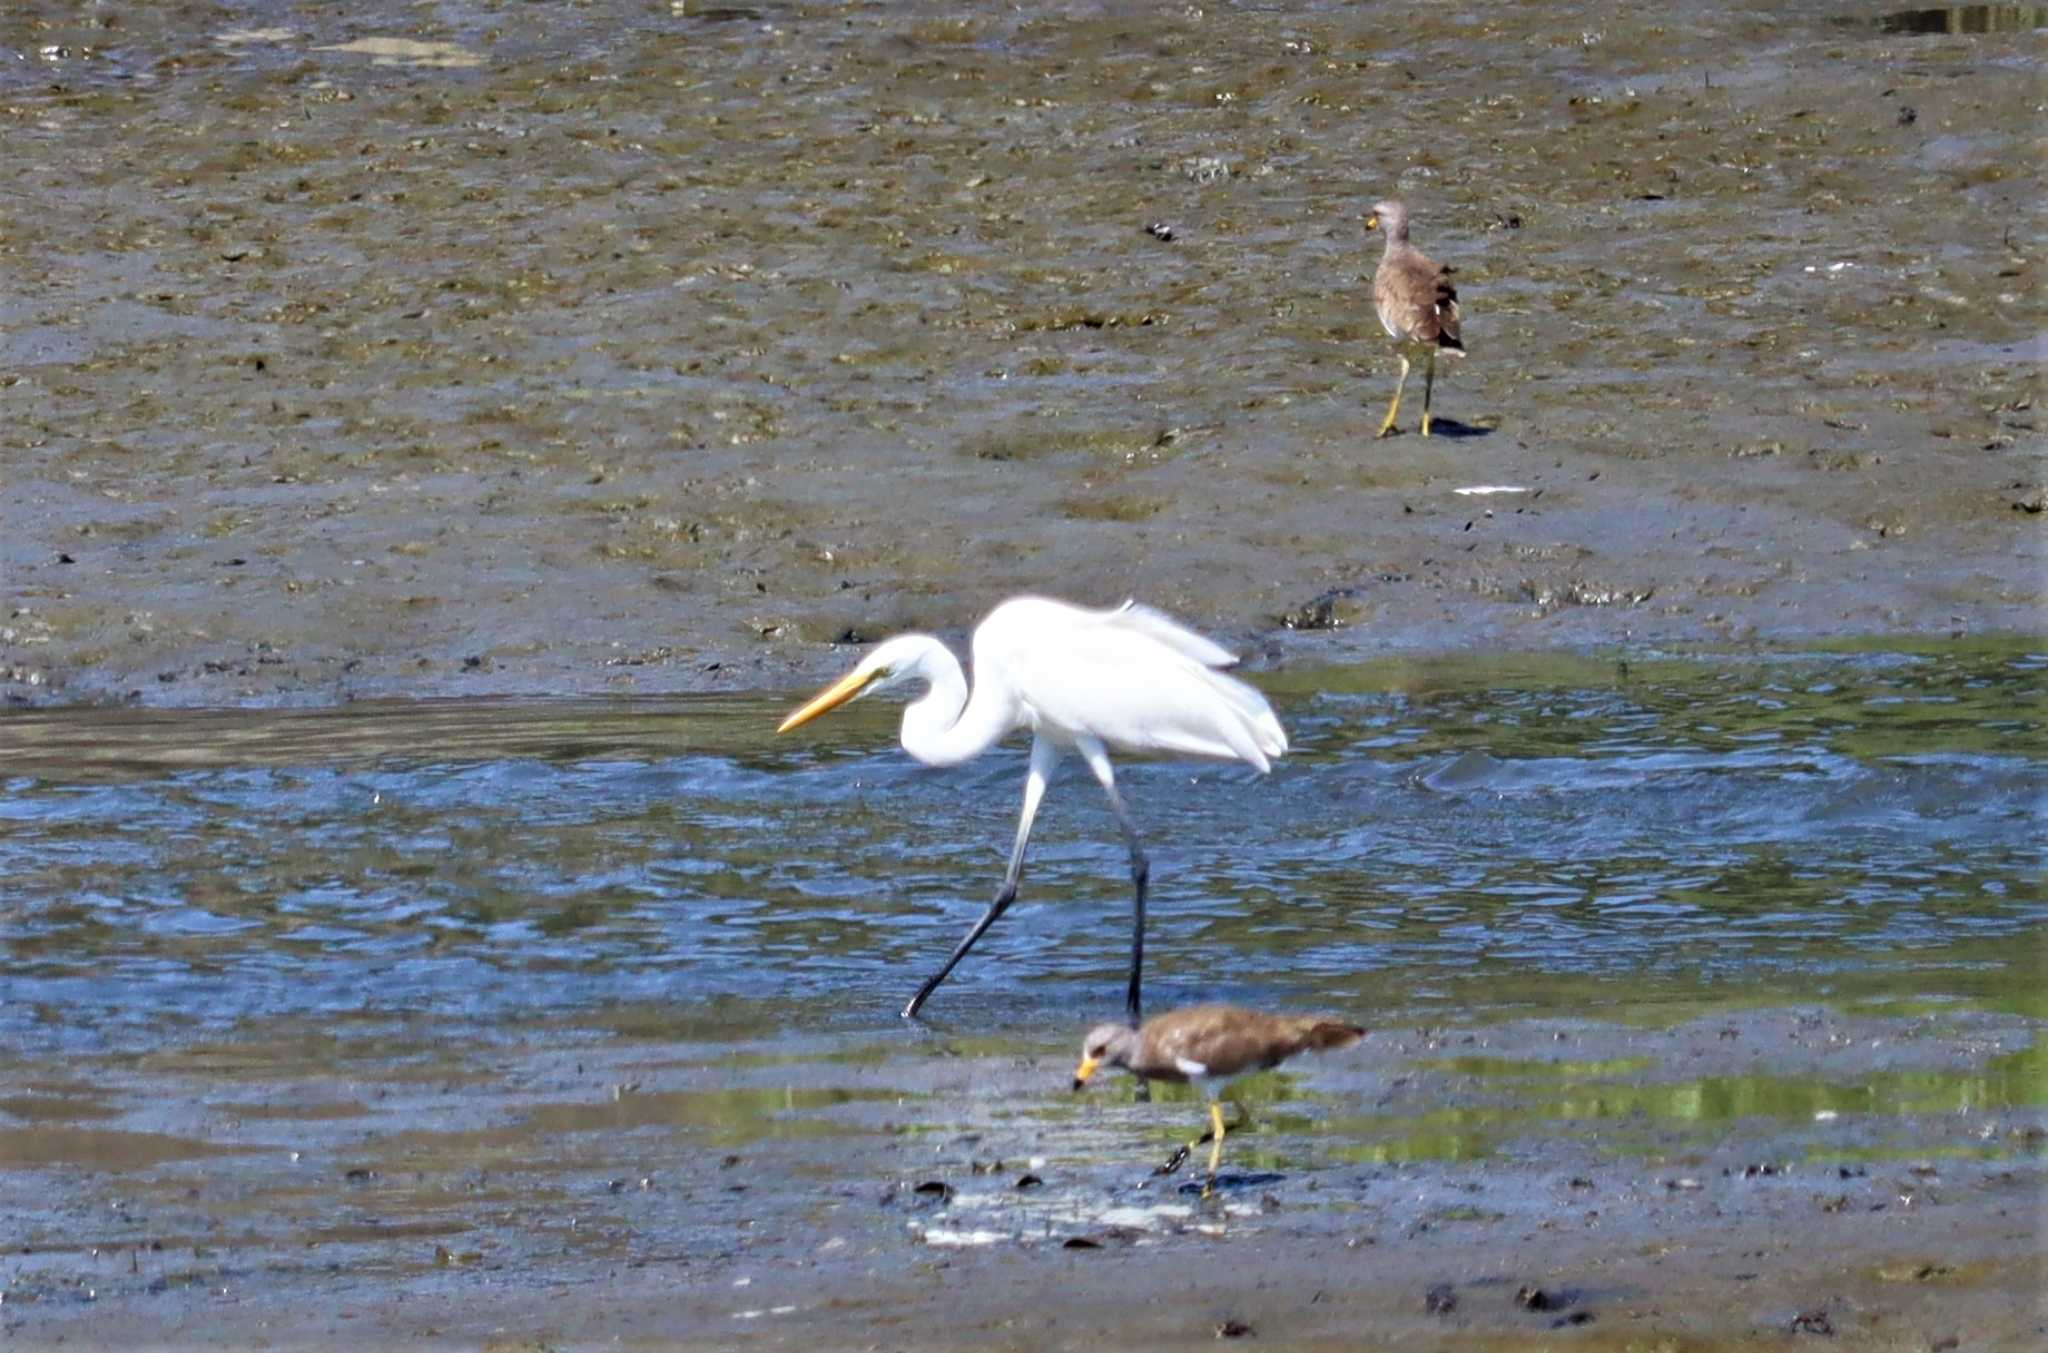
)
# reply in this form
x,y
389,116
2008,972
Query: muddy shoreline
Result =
x,y
1762,1174
659,351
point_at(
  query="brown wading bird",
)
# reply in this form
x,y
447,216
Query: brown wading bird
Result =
x,y
1416,303
1208,1045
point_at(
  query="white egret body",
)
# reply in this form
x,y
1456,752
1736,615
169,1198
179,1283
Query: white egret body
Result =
x,y
1131,678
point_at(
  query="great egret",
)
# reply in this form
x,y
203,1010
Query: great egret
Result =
x,y
1131,678
1208,1045
1416,302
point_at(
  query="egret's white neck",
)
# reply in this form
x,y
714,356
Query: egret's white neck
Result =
x,y
944,727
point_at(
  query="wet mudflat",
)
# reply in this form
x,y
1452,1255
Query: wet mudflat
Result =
x,y
457,349
389,351
1705,997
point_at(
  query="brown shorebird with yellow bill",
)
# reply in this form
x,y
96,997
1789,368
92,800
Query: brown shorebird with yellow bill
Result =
x,y
1208,1045
1417,305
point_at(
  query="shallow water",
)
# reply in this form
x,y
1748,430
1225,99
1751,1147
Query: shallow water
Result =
x,y
301,1005
1440,839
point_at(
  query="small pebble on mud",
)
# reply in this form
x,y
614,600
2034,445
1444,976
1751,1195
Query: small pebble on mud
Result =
x,y
1813,1322
1332,610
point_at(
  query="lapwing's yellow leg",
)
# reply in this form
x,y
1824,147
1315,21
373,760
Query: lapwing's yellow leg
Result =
x,y
1215,1146
1428,384
1394,409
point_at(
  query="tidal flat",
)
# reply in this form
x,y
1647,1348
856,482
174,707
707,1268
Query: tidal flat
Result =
x,y
442,440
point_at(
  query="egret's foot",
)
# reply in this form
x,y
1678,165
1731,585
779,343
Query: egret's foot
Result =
x,y
1209,1189
1425,425
1387,430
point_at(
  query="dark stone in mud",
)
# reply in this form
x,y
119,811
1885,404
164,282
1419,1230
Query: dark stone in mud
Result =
x,y
1234,1329
1815,1321
1441,1299
1332,610
1533,1298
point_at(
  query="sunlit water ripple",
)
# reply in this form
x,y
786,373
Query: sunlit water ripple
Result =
x,y
1433,836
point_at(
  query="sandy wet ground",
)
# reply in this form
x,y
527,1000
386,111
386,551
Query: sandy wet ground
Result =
x,y
1751,1176
413,350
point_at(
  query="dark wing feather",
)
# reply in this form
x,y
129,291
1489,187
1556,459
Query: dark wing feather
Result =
x,y
1326,1035
1415,299
1447,312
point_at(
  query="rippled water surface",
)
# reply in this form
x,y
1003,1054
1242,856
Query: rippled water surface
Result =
x,y
410,1013
1443,840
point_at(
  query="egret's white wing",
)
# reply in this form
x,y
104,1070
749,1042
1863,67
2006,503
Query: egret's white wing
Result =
x,y
1114,677
1159,626
1028,620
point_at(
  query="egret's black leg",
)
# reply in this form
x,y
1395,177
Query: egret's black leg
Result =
x,y
988,918
1097,757
1141,872
1043,757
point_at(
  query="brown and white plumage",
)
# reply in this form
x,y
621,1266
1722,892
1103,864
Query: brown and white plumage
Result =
x,y
1208,1045
1416,304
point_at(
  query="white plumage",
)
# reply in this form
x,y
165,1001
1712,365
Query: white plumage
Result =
x,y
1131,677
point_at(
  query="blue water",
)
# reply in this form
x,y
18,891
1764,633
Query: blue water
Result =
x,y
1449,836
